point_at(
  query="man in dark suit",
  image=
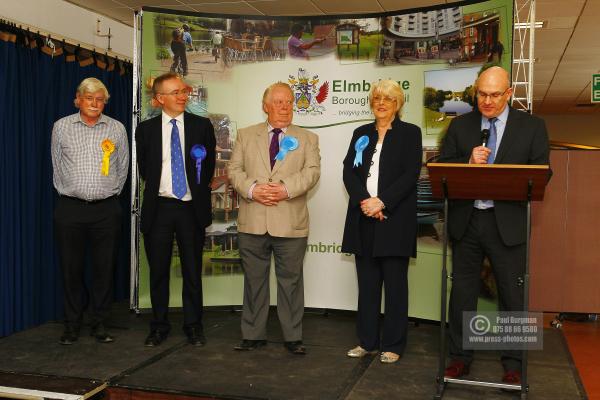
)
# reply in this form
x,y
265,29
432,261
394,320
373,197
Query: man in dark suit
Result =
x,y
496,229
176,159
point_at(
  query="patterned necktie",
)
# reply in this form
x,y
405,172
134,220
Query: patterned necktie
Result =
x,y
491,144
177,167
274,146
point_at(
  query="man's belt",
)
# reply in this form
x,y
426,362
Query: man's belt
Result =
x,y
87,201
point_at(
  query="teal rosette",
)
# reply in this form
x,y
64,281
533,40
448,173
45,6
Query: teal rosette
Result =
x,y
360,145
289,143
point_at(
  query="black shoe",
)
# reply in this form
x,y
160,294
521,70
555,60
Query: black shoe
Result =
x,y
101,335
295,347
196,337
69,336
246,345
155,338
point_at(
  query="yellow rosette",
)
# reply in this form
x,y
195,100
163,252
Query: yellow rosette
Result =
x,y
107,148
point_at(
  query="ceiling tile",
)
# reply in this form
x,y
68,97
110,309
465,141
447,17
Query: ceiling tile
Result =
x,y
237,8
556,8
349,6
585,96
286,7
543,75
539,90
592,8
119,13
398,5
96,4
224,2
561,22
150,3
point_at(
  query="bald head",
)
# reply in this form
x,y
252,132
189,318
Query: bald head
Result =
x,y
493,91
495,74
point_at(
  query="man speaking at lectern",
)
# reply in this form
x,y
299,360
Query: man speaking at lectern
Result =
x,y
493,134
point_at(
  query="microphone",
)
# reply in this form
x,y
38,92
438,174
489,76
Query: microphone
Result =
x,y
485,135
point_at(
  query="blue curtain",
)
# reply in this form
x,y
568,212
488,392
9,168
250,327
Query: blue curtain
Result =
x,y
37,89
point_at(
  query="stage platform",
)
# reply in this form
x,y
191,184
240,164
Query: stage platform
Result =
x,y
126,369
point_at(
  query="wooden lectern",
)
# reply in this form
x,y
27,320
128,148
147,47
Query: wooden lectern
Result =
x,y
471,182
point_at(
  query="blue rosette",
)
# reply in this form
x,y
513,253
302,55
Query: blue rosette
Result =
x,y
359,146
198,154
289,143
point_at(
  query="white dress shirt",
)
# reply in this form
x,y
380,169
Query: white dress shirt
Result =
x,y
166,181
500,125
373,176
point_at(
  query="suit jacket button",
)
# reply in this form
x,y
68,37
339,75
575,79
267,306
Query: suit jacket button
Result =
x,y
270,180
372,162
369,175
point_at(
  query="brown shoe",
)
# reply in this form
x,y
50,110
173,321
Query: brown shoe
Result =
x,y
511,377
456,369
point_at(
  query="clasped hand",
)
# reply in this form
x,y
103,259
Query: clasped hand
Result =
x,y
479,155
372,207
269,194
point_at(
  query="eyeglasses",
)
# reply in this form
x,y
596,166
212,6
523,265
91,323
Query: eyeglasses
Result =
x,y
184,92
383,99
492,96
91,99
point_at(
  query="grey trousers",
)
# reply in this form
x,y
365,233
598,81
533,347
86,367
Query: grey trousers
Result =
x,y
255,252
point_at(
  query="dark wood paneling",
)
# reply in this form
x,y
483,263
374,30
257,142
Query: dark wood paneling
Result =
x,y
114,393
565,246
582,270
547,238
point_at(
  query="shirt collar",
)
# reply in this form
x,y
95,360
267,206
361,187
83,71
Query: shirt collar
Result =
x,y
270,128
101,120
166,119
503,117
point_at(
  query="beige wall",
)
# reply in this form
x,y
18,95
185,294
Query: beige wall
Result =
x,y
574,128
74,23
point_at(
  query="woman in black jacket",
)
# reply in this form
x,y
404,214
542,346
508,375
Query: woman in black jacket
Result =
x,y
381,171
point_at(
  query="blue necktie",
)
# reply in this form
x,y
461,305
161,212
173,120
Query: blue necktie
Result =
x,y
177,167
491,144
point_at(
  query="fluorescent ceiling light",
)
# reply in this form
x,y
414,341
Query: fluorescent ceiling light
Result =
x,y
526,25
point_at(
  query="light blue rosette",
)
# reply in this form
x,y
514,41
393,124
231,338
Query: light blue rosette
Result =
x,y
359,146
198,153
289,143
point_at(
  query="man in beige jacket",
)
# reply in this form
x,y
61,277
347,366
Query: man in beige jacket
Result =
x,y
273,166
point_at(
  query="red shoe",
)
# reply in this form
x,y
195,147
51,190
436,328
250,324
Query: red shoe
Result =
x,y
456,369
511,377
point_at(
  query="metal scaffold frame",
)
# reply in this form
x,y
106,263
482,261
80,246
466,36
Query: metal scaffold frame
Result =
x,y
135,185
523,54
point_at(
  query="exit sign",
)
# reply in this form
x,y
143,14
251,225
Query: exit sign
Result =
x,y
596,88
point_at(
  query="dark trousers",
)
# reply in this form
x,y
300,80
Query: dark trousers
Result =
x,y
175,218
508,264
392,272
97,226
